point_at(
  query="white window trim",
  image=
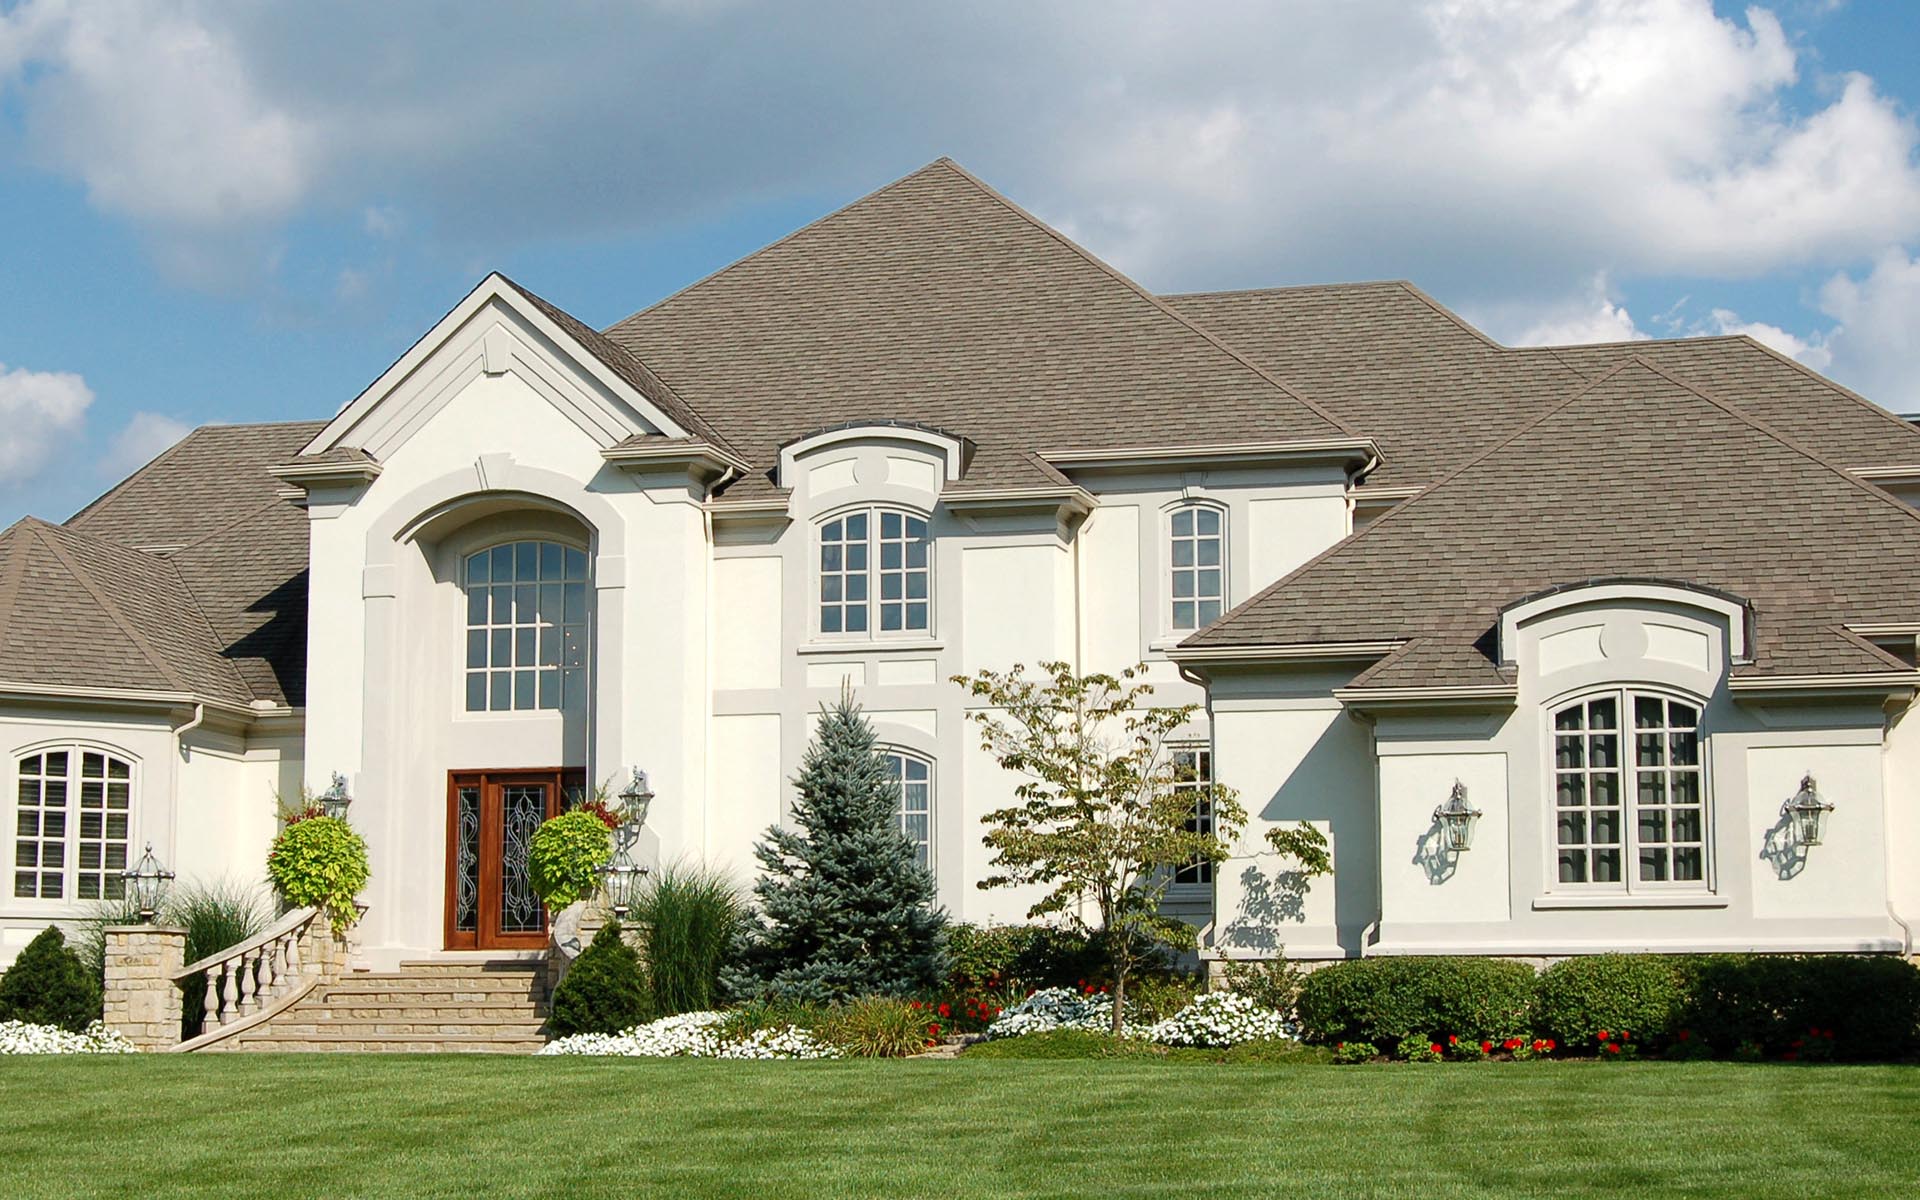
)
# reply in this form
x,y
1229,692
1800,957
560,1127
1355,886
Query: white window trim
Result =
x,y
1171,634
1629,891
933,798
872,635
68,902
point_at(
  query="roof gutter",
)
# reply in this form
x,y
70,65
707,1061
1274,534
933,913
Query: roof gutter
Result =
x,y
140,696
1218,454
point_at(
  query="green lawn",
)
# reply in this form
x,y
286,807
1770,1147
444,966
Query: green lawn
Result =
x,y
470,1127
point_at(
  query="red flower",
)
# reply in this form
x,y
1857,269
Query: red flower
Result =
x,y
945,1011
1486,1047
1625,1036
1604,1035
1435,1047
1550,1043
1339,1045
934,1029
1453,1039
1613,1047
1511,1044
1789,1056
1686,1035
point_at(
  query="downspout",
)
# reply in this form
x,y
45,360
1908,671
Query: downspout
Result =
x,y
706,699
1370,932
1886,854
180,755
1204,939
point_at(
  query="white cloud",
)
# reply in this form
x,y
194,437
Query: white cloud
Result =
x,y
1485,146
41,416
1875,348
1813,350
140,441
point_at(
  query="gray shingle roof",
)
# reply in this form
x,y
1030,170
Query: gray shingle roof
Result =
x,y
1640,475
937,300
209,510
1389,360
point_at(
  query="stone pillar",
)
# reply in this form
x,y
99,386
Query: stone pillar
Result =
x,y
142,1003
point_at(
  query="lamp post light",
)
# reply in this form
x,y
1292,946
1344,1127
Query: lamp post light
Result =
x,y
147,883
1457,819
1808,812
334,801
620,876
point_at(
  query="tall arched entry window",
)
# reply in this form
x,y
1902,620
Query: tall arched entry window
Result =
x,y
526,630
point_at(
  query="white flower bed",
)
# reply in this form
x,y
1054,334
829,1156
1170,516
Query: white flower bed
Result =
x,y
18,1037
1221,1019
694,1035
1055,1008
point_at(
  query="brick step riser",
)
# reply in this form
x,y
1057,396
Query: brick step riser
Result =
x,y
298,1045
438,987
373,1030
429,1000
358,1011
418,970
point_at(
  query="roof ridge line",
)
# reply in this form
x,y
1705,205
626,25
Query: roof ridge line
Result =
x,y
1283,287
134,474
1877,410
170,551
11,575
1762,427
112,610
1158,304
782,240
1849,635
1414,290
219,641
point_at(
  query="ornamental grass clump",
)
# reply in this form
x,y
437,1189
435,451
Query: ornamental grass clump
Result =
x,y
565,855
320,862
693,917
882,1027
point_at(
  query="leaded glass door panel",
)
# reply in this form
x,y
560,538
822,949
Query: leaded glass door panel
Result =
x,y
491,817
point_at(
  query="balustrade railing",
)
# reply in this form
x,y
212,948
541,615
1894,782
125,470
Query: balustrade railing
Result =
x,y
245,978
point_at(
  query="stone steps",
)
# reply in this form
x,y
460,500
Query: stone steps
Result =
x,y
459,1006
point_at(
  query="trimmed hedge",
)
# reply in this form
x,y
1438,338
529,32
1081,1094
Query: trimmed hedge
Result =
x,y
604,991
1861,1007
1805,1006
1578,997
1388,1000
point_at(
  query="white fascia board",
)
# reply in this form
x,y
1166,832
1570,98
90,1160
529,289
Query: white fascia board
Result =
x,y
1502,695
702,457
1074,499
1807,686
492,290
1893,474
304,475
1218,454
1301,652
141,697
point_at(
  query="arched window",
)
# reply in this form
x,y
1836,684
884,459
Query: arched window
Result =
x,y
1197,562
526,627
915,777
71,824
1629,796
876,573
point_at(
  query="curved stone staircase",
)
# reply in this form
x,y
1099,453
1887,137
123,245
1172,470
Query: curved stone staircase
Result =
x,y
495,1006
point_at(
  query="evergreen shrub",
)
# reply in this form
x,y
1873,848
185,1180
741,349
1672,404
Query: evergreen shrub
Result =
x,y
49,985
604,991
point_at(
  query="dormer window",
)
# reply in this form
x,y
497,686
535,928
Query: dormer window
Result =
x,y
1197,565
876,574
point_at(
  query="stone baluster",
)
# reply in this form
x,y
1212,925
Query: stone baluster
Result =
x,y
210,1004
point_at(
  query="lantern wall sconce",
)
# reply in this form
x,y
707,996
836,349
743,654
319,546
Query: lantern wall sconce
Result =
x,y
1457,819
147,884
334,801
620,876
1808,813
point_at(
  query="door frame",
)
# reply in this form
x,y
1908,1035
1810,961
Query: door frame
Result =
x,y
481,937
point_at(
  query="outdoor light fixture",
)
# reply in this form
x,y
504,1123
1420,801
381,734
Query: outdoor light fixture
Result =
x,y
1808,812
334,801
1457,818
621,876
635,798
147,883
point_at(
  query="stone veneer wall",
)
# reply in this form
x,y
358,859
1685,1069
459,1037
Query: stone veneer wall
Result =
x,y
142,1003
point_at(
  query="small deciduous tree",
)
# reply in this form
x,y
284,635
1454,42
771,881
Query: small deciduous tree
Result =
x,y
1102,820
846,908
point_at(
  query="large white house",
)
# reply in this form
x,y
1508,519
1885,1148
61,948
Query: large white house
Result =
x,y
1626,597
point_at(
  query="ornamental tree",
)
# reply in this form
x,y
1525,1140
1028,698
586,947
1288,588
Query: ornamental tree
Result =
x,y
846,910
1102,820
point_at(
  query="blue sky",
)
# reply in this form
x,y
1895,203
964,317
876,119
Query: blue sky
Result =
x,y
231,212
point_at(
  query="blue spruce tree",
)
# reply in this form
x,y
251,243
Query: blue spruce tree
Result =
x,y
845,908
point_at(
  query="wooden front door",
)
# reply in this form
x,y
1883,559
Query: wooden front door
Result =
x,y
491,816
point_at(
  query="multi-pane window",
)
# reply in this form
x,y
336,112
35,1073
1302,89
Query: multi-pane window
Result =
x,y
71,825
1197,556
876,573
1626,823
914,775
526,627
1193,775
